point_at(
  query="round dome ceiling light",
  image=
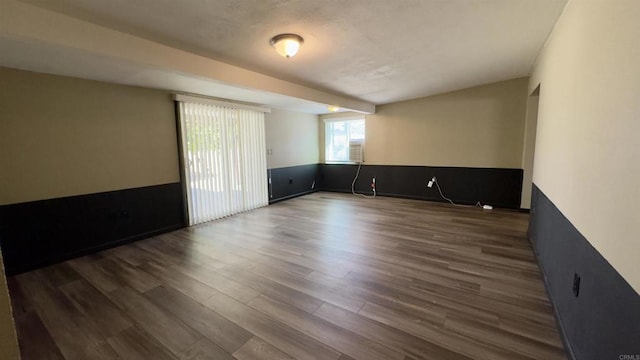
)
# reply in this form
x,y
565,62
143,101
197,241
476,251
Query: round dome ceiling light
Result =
x,y
287,45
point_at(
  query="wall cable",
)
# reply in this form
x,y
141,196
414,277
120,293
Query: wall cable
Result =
x,y
435,181
353,184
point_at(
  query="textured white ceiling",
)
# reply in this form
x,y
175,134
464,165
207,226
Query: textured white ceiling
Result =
x,y
380,51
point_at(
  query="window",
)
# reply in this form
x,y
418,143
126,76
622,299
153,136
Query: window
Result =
x,y
337,134
225,165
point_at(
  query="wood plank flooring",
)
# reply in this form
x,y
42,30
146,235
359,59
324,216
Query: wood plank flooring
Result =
x,y
324,276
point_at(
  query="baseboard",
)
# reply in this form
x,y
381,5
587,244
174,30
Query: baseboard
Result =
x,y
556,316
273,201
105,246
386,194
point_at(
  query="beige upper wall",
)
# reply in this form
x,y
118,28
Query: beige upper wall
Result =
x,y
292,138
476,127
587,149
63,136
8,340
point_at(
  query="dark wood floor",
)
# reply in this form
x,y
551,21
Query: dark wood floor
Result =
x,y
324,276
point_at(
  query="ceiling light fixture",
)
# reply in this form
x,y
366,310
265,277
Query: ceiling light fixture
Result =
x,y
333,108
287,45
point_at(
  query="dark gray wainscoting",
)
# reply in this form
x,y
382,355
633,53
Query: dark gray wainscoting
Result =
x,y
600,319
39,233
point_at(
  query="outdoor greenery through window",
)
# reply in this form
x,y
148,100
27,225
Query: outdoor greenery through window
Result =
x,y
224,161
338,134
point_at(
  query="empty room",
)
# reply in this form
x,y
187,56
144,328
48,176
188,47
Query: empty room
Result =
x,y
339,180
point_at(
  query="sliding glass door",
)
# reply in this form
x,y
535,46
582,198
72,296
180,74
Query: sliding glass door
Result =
x,y
224,160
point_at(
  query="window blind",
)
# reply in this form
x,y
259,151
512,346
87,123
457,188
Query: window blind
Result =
x,y
224,160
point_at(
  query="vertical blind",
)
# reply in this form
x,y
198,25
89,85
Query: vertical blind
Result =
x,y
224,159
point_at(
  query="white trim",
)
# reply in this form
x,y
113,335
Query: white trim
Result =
x,y
219,102
346,118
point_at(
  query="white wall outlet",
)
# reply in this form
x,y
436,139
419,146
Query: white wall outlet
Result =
x,y
430,183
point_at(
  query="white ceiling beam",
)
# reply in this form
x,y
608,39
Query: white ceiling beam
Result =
x,y
24,22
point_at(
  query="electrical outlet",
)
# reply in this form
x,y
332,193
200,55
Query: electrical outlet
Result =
x,y
430,183
576,285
